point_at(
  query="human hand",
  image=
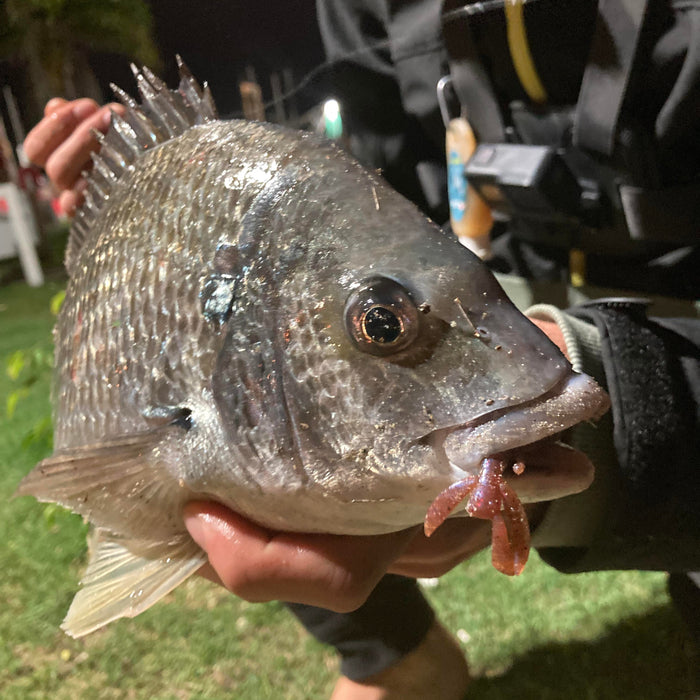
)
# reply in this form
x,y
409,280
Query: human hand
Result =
x,y
337,572
62,142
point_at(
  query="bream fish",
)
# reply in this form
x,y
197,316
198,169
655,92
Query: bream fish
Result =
x,y
254,318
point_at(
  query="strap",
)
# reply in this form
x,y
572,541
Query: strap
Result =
x,y
607,75
671,215
652,410
469,79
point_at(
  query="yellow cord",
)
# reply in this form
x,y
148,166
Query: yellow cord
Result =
x,y
520,51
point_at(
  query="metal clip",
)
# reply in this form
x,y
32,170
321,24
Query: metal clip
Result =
x,y
445,84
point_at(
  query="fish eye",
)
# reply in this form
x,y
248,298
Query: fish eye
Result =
x,y
381,318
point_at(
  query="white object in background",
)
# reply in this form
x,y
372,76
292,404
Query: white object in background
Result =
x,y
429,582
18,233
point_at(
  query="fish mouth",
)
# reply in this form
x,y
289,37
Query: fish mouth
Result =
x,y
525,438
518,462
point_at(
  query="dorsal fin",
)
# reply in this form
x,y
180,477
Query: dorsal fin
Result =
x,y
163,114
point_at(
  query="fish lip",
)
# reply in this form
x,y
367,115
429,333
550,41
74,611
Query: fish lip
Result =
x,y
593,402
555,390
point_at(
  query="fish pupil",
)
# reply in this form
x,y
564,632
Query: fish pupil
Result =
x,y
382,325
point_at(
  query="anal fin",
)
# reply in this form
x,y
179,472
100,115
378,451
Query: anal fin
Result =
x,y
125,577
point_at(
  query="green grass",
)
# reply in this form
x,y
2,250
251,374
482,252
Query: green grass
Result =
x,y
542,635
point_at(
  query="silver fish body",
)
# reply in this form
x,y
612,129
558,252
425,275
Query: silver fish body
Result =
x,y
254,318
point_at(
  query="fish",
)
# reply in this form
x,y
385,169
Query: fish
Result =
x,y
252,317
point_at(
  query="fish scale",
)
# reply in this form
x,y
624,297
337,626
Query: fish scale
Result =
x,y
214,343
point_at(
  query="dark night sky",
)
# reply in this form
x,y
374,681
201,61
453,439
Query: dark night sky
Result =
x,y
217,38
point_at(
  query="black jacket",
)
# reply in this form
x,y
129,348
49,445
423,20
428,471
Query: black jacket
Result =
x,y
389,55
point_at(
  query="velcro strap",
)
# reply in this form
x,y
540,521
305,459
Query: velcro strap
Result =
x,y
651,408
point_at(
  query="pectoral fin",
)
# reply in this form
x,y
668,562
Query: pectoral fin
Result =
x,y
122,485
125,577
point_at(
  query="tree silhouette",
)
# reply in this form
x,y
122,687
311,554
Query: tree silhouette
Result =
x,y
51,40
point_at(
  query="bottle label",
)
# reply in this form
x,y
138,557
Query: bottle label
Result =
x,y
456,186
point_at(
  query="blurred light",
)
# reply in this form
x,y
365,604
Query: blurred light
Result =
x,y
332,119
331,110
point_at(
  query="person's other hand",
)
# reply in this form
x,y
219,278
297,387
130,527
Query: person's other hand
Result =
x,y
62,142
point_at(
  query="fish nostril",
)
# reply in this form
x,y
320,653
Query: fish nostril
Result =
x,y
469,316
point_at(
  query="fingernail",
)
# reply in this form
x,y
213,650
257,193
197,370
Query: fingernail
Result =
x,y
67,209
197,528
106,118
117,107
53,105
82,110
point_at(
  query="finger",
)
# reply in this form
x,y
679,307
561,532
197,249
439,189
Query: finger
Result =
x,y
70,200
207,571
330,571
68,161
553,332
453,542
56,127
53,104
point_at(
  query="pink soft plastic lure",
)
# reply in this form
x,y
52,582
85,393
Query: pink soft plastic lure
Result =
x,y
490,498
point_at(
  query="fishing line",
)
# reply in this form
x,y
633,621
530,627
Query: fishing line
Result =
x,y
479,8
394,43
318,70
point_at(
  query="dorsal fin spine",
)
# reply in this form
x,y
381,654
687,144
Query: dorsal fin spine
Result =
x,y
78,226
114,159
192,93
208,99
175,121
156,110
101,169
156,83
182,113
90,204
102,183
124,97
78,232
186,75
146,131
164,114
96,189
129,141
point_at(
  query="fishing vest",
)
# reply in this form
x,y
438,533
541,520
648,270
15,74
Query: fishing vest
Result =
x,y
587,116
